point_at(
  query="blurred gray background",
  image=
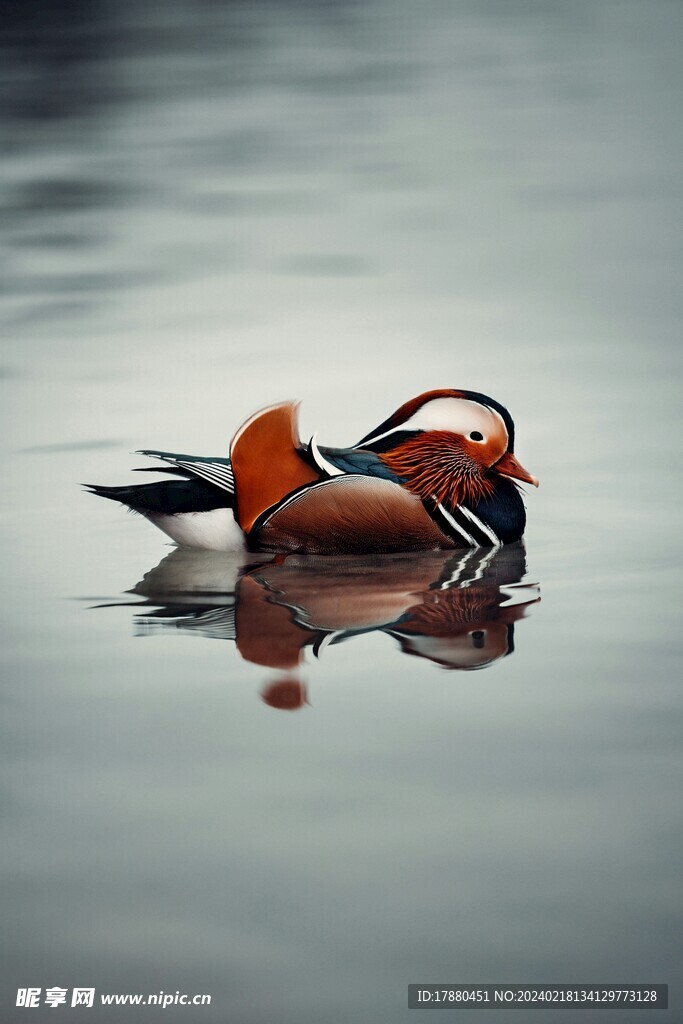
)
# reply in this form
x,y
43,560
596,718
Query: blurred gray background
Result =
x,y
208,207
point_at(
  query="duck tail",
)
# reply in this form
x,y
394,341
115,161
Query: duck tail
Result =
x,y
166,497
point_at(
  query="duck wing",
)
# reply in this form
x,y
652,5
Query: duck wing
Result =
x,y
348,514
336,461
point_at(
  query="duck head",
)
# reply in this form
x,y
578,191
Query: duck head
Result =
x,y
449,445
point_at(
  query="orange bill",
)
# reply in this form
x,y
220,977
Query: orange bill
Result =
x,y
509,466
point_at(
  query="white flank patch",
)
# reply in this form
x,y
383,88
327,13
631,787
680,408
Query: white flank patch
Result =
x,y
215,530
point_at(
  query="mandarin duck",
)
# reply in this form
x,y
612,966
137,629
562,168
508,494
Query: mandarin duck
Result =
x,y
455,609
439,473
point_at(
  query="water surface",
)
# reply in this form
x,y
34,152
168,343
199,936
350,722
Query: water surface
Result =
x,y
302,808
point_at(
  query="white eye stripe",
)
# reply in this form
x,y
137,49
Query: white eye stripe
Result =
x,y
457,416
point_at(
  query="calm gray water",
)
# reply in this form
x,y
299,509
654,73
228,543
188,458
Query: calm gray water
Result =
x,y
206,208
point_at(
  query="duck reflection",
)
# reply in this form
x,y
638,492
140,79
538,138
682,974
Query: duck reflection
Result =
x,y
455,610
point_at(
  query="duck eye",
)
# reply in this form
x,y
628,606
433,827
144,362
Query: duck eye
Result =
x,y
476,436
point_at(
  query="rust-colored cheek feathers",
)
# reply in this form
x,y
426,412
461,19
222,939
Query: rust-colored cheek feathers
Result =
x,y
440,465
